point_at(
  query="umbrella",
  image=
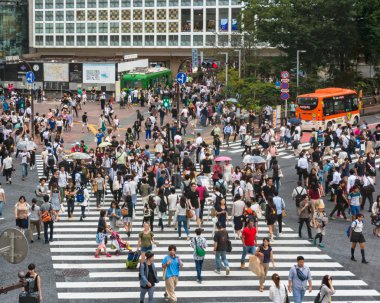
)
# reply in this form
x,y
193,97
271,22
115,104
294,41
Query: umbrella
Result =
x,y
253,159
294,121
80,156
222,158
232,100
104,144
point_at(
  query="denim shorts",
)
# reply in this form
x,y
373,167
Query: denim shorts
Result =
x,y
146,249
355,210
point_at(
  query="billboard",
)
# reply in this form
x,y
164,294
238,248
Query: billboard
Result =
x,y
56,72
75,72
102,73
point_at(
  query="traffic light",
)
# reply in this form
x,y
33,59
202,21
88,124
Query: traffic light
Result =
x,y
210,64
166,102
214,65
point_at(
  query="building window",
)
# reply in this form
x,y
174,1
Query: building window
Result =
x,y
103,15
91,15
198,40
115,40
49,16
161,3
81,16
198,20
70,28
39,16
69,15
103,27
126,40
81,28
81,40
149,27
126,3
223,40
185,2
137,3
149,14
198,2
137,40
161,40
59,28
69,4
223,17
39,4
126,27
125,14
49,4
235,14
210,2
161,14
58,4
114,3
114,15
173,14
224,2
210,40
59,40
235,2
114,27
91,40
137,27
173,2
236,40
103,40
173,40
173,27
49,40
69,40
59,16
211,19
91,3
39,40
149,40
186,20
103,3
137,14
161,27
91,28
39,28
81,4
49,28
149,3
185,40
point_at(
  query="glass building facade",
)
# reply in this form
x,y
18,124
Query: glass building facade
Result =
x,y
14,39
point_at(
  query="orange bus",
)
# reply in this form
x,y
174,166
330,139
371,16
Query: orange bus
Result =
x,y
325,105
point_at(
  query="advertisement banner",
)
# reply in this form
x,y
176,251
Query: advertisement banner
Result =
x,y
56,72
234,25
224,25
75,72
102,73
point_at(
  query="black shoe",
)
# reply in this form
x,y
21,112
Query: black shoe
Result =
x,y
31,241
46,242
353,259
84,216
365,262
81,219
39,238
51,240
129,234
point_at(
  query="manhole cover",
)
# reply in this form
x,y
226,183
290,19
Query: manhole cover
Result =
x,y
74,272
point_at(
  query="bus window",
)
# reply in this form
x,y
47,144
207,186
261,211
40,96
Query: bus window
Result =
x,y
339,105
328,107
354,102
307,103
347,103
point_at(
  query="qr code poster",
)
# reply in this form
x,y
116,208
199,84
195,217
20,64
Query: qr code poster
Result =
x,y
99,73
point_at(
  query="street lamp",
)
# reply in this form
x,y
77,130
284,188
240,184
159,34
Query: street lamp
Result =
x,y
298,67
239,51
226,54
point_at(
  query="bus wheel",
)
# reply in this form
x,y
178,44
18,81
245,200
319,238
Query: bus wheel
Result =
x,y
356,120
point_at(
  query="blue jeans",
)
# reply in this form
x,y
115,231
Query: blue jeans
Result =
x,y
182,220
249,250
24,170
298,295
220,256
1,208
198,268
217,152
143,292
148,134
277,183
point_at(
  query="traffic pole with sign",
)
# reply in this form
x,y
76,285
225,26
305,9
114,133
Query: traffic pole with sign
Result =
x,y
284,86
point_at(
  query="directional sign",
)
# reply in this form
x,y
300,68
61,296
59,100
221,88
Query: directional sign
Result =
x,y
29,77
285,75
284,96
284,85
277,84
181,78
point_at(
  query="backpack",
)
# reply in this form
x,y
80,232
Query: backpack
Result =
x,y
151,203
250,214
80,195
349,228
162,207
352,144
51,161
186,188
299,198
46,216
221,187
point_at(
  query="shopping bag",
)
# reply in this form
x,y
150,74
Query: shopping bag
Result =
x,y
255,265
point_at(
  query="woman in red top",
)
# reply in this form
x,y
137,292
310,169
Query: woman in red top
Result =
x,y
314,194
202,190
217,169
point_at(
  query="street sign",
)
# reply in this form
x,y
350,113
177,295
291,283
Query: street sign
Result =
x,y
284,96
284,85
194,57
277,84
129,57
181,78
284,90
285,75
30,77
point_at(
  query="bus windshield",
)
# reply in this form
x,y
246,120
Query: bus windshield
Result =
x,y
307,103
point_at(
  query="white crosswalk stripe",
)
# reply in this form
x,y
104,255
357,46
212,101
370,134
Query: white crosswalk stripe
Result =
x,y
110,281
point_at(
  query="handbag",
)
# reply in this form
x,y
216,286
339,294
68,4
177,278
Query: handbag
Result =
x,y
199,251
318,298
228,246
255,265
284,213
280,174
369,189
124,212
286,295
189,213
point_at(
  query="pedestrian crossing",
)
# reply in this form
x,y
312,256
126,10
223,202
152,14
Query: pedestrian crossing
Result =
x,y
235,148
108,279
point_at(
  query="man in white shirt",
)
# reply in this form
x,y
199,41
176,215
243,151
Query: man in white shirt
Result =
x,y
198,142
25,159
242,133
303,168
7,169
351,180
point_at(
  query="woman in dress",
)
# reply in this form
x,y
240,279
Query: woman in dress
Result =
x,y
228,170
146,241
55,198
222,213
270,216
21,214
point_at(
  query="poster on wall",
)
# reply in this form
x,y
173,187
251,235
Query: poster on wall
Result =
x,y
56,72
234,25
75,72
224,24
98,73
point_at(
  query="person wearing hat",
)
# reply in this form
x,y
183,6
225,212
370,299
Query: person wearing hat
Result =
x,y
199,244
148,277
320,221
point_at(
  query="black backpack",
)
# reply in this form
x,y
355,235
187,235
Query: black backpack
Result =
x,y
51,161
299,197
222,188
162,207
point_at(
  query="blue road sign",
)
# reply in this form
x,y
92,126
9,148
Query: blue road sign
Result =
x,y
277,84
284,96
29,77
181,78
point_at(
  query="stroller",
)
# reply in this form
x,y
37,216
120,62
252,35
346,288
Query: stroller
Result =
x,y
118,244
133,259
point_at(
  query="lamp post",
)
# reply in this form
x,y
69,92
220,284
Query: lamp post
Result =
x,y
31,97
239,51
298,67
226,54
